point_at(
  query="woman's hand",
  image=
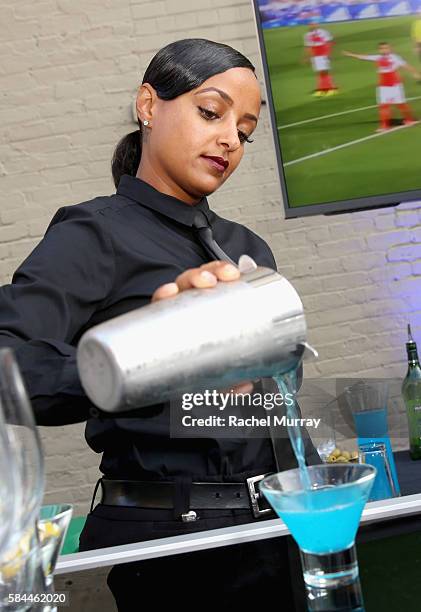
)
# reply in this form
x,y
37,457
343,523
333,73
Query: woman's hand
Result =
x,y
202,278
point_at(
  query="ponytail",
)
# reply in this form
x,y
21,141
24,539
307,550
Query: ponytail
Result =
x,y
126,158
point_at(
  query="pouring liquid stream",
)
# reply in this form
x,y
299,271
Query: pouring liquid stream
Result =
x,y
287,385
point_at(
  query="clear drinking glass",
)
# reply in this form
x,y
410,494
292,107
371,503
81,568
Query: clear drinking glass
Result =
x,y
18,564
23,436
375,453
367,401
9,488
18,572
11,560
52,527
324,520
324,436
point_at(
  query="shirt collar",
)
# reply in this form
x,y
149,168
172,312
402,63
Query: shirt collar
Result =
x,y
138,190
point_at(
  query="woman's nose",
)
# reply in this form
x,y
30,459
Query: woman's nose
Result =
x,y
229,137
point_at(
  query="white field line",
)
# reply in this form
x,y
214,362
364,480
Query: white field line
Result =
x,y
346,112
347,144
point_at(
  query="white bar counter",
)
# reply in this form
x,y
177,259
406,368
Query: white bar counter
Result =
x,y
374,512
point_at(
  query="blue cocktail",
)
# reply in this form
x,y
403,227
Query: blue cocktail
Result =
x,y
368,404
337,512
324,521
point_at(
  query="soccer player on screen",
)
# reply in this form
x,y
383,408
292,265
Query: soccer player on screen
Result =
x,y
317,47
390,88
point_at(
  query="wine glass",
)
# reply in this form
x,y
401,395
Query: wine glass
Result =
x,y
23,436
20,562
9,488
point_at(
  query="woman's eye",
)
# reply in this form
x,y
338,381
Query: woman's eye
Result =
x,y
243,137
209,115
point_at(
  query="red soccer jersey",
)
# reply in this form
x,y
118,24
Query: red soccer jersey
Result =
x,y
388,75
387,68
319,42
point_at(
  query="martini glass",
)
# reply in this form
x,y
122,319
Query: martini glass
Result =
x,y
53,522
324,520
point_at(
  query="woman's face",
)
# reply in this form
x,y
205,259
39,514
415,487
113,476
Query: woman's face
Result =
x,y
211,121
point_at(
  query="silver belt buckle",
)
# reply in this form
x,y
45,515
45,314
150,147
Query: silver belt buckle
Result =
x,y
188,517
256,495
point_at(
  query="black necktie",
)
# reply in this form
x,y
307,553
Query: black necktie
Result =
x,y
204,233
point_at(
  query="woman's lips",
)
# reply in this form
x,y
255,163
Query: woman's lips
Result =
x,y
217,162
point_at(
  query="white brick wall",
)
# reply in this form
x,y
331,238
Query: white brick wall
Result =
x,y
68,73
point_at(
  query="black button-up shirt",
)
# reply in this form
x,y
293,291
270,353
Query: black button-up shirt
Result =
x,y
99,259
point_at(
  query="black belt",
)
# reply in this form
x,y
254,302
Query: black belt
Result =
x,y
203,495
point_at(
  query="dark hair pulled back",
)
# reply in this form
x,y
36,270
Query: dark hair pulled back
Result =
x,y
176,69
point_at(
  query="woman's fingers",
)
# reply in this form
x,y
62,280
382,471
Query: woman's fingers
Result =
x,y
165,291
207,275
200,278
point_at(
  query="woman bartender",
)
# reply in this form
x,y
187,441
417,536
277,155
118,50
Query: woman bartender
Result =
x,y
197,107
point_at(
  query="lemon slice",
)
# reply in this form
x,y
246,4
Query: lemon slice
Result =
x,y
14,559
48,530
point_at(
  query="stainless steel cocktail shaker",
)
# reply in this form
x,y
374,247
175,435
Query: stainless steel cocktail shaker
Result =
x,y
200,339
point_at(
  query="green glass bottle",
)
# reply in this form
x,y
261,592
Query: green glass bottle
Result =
x,y
411,393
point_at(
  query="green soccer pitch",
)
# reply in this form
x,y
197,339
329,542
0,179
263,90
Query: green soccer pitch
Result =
x,y
330,147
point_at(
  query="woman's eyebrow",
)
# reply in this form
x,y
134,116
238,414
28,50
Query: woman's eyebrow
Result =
x,y
227,99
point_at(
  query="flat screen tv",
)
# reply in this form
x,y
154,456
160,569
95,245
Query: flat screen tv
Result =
x,y
343,82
